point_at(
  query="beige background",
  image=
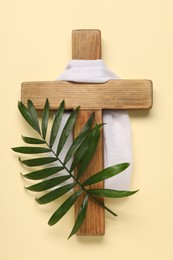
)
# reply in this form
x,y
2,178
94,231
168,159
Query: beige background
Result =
x,y
137,40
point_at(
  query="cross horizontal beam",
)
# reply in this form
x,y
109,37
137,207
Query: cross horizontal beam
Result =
x,y
114,94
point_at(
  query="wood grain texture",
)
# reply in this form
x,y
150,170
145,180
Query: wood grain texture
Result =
x,y
94,223
114,94
86,44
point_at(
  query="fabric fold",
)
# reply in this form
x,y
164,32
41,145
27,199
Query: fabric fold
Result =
x,y
93,71
116,131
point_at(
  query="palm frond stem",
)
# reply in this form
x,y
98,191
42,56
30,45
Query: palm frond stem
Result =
x,y
77,182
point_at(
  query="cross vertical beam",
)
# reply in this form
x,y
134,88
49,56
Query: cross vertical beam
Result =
x,y
86,44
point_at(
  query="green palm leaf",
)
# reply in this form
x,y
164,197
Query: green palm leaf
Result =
x,y
89,152
30,150
26,114
82,149
79,139
53,195
85,146
80,217
111,193
44,173
30,140
67,130
56,123
62,210
45,118
34,116
106,173
45,185
38,161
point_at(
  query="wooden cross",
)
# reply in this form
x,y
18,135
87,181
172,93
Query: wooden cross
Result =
x,y
114,94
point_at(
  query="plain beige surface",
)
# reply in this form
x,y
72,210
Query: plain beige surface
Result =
x,y
137,40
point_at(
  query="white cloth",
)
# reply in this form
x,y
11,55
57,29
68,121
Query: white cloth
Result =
x,y
117,131
93,71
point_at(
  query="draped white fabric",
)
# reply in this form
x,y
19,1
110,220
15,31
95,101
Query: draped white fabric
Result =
x,y
117,131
